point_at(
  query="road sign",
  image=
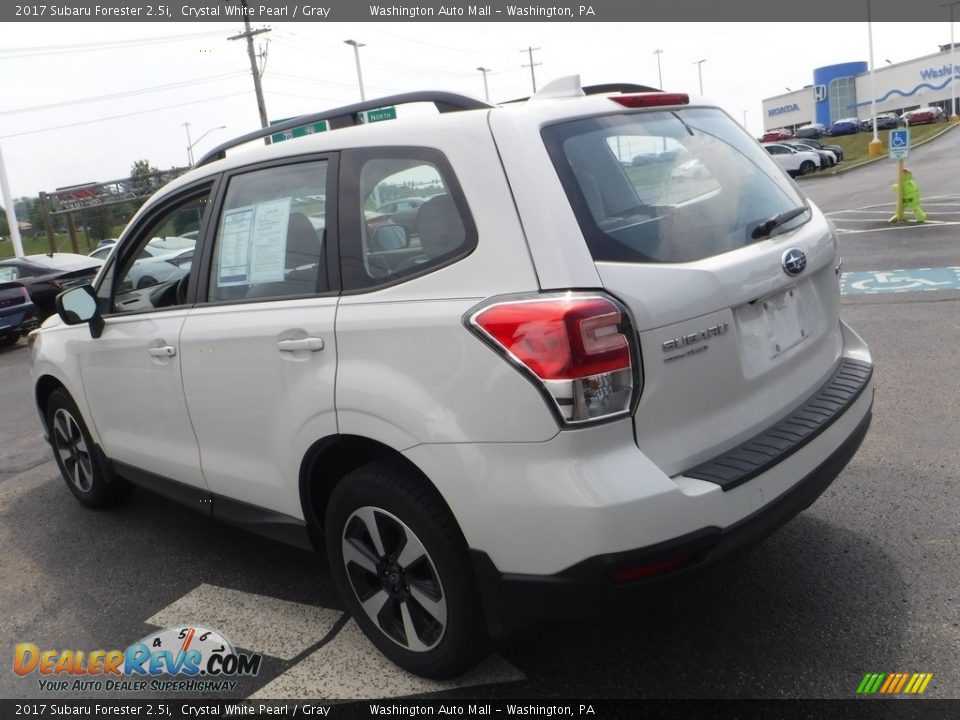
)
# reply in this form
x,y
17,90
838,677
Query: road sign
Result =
x,y
387,113
899,144
298,131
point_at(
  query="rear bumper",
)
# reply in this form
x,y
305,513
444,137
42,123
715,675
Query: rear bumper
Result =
x,y
514,600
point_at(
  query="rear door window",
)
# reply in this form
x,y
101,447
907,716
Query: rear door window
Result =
x,y
668,186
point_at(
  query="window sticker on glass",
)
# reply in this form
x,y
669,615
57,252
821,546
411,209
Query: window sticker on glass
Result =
x,y
269,245
235,246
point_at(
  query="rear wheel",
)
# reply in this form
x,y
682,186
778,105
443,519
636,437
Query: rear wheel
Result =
x,y
807,167
400,563
82,468
8,339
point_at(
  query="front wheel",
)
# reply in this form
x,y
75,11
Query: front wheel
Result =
x,y
807,167
82,468
401,565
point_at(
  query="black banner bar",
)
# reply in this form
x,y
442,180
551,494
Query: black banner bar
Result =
x,y
828,11
859,709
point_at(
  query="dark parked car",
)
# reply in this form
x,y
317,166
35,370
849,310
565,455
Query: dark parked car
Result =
x,y
46,276
845,126
18,316
813,130
885,121
835,149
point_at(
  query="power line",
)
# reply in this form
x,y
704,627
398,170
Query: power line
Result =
x,y
118,117
10,53
124,94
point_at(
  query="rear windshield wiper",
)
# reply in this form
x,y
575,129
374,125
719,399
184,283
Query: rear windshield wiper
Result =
x,y
768,226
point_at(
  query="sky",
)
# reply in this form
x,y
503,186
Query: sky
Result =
x,y
120,92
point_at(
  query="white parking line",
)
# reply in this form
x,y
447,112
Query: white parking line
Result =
x,y
349,667
345,666
278,628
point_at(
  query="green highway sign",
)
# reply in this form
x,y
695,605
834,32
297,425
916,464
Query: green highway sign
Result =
x,y
297,131
387,113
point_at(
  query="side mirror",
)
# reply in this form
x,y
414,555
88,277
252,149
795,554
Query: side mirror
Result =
x,y
391,237
79,305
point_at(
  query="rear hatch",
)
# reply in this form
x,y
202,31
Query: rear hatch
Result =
x,y
728,272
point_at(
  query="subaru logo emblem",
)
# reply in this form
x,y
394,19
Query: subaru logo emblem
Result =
x,y
794,261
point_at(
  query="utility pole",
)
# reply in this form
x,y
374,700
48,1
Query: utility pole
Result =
x,y
486,90
658,53
189,145
248,34
533,78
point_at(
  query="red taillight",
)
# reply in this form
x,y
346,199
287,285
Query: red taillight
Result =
x,y
646,571
651,99
559,339
574,345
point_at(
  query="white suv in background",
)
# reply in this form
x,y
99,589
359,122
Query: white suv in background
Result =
x,y
573,379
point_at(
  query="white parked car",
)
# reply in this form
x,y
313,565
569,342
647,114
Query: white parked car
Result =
x,y
575,379
794,161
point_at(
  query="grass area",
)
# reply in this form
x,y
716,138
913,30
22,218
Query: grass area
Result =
x,y
856,150
36,245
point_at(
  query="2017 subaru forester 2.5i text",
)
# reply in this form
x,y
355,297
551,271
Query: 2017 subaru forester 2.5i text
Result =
x,y
572,378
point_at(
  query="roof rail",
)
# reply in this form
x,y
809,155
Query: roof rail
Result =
x,y
347,116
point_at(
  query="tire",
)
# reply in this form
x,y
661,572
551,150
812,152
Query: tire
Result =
x,y
807,167
8,339
81,465
420,607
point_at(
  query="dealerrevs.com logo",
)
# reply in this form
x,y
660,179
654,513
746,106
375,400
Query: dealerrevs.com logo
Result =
x,y
200,660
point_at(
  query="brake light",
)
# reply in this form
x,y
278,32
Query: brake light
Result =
x,y
576,348
651,99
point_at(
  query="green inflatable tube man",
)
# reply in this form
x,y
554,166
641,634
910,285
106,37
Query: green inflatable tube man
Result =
x,y
911,197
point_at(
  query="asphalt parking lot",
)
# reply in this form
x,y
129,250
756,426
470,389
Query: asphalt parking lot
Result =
x,y
866,580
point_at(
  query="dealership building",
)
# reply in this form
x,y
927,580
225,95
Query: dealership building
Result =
x,y
843,91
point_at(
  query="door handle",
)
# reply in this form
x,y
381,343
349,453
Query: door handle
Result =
x,y
313,344
164,352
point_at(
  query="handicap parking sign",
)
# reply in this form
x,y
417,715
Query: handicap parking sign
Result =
x,y
899,144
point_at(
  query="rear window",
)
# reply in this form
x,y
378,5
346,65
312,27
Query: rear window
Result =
x,y
668,186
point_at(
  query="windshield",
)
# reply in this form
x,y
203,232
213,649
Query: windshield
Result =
x,y
669,186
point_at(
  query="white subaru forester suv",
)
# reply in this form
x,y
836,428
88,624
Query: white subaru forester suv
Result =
x,y
577,375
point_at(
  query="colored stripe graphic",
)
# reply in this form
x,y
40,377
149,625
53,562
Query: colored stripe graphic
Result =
x,y
894,683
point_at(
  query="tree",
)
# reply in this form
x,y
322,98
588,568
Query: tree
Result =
x,y
100,222
145,178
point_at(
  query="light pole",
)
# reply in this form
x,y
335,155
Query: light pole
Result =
x,y
875,148
356,55
486,90
192,145
699,64
953,67
658,53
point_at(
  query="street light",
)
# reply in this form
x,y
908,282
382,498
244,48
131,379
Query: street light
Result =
x,y
658,53
486,90
356,55
192,145
699,64
953,67
875,148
